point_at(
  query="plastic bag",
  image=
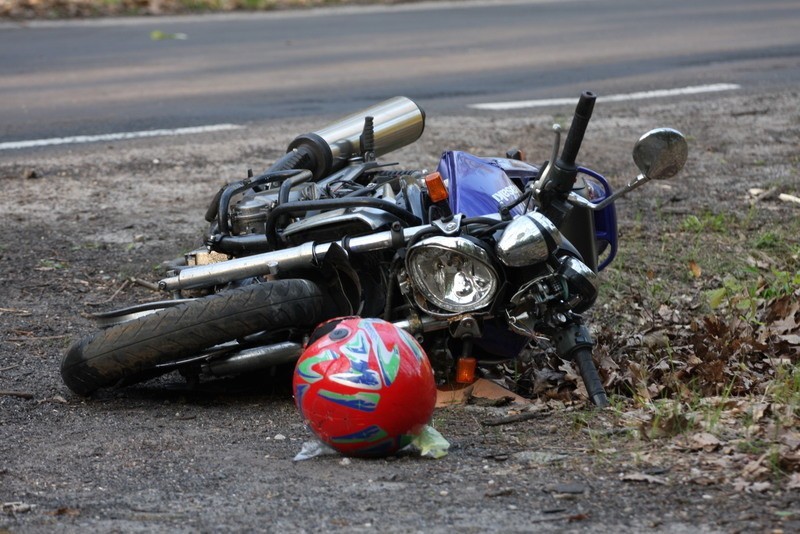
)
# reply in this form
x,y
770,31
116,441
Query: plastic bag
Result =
x,y
429,442
312,449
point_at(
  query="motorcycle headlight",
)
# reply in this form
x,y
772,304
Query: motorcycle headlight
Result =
x,y
452,273
527,240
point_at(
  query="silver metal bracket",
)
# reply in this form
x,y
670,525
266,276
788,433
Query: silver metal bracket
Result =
x,y
451,227
467,326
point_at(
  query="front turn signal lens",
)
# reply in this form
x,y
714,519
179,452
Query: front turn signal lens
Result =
x,y
436,188
465,370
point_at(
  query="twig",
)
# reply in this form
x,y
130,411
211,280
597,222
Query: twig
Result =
x,y
112,297
515,418
20,394
145,283
22,332
759,195
789,198
750,112
9,367
15,310
569,518
40,338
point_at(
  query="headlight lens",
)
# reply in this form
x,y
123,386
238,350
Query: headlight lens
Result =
x,y
452,273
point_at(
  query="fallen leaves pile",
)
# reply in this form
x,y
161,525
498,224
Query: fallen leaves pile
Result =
x,y
721,387
711,355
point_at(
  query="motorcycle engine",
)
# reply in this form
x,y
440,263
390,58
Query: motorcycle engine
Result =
x,y
249,215
335,224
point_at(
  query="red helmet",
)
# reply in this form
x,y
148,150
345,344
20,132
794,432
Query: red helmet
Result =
x,y
365,387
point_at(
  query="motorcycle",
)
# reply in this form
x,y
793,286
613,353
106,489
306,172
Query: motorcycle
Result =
x,y
476,259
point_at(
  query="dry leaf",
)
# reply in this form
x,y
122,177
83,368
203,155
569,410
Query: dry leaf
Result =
x,y
758,411
696,270
754,469
704,441
758,487
791,439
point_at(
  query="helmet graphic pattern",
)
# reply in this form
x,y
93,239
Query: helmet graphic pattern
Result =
x,y
365,388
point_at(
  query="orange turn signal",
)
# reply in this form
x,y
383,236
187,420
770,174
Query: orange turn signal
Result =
x,y
465,370
436,188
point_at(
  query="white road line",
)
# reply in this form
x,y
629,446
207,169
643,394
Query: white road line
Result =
x,y
661,93
116,136
235,16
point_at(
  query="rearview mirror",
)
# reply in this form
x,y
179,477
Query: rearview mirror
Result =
x,y
660,153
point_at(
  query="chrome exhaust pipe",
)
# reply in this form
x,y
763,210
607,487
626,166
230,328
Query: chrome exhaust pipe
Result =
x,y
277,261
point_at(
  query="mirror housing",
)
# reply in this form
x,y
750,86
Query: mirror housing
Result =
x,y
661,153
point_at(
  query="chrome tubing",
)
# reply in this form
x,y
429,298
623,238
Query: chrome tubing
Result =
x,y
257,358
305,255
254,359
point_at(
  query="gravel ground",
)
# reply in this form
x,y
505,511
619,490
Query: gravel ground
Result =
x,y
81,222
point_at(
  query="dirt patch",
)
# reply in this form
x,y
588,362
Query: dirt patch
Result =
x,y
83,225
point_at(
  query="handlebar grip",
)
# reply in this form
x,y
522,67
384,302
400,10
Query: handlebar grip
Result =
x,y
583,112
591,378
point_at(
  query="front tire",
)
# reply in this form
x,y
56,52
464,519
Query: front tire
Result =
x,y
133,348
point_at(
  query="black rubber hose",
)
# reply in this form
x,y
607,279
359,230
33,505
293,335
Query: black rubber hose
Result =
x,y
591,378
396,173
240,245
224,202
488,221
394,271
299,158
286,188
235,188
288,184
370,188
213,207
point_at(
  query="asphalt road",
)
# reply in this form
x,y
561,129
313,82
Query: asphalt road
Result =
x,y
95,77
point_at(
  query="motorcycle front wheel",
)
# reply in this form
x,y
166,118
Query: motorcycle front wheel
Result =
x,y
135,348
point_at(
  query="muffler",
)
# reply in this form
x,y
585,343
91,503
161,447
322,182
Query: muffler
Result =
x,y
397,122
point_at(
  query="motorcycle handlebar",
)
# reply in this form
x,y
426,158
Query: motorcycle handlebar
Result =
x,y
564,171
580,120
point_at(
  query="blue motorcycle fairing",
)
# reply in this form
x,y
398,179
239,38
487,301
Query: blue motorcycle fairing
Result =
x,y
515,169
479,186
